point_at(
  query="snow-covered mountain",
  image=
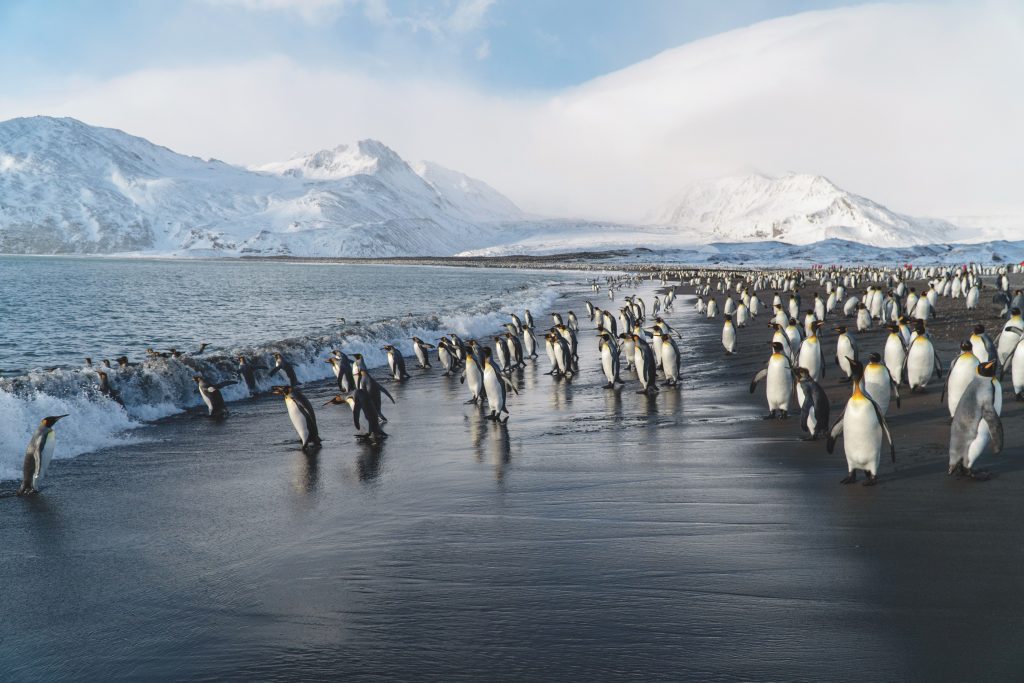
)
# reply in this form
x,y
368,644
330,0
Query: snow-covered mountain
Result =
x,y
798,209
67,187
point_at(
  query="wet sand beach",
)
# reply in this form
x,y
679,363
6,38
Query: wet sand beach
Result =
x,y
599,535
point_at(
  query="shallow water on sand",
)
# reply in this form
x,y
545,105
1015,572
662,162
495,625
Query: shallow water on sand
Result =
x,y
57,311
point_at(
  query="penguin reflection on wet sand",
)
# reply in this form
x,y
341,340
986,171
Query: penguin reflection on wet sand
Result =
x,y
300,411
38,455
360,401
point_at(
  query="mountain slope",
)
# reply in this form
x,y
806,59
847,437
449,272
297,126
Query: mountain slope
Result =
x,y
67,187
798,209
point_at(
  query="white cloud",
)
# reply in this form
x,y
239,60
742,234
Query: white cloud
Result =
x,y
483,50
468,15
312,11
916,106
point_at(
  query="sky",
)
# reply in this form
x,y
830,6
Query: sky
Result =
x,y
570,107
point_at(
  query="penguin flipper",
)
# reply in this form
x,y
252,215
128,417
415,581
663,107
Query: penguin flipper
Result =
x,y
757,378
227,383
938,364
995,427
388,394
896,390
805,410
833,434
885,430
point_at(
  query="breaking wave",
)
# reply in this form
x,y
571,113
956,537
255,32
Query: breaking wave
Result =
x,y
158,387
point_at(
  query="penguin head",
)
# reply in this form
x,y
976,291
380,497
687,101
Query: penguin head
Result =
x,y
1015,311
332,360
875,358
102,375
979,329
336,400
281,389
966,347
802,373
728,318
856,368
841,329
51,420
197,378
919,326
277,355
777,347
987,369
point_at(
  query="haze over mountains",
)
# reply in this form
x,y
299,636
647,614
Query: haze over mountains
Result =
x,y
67,187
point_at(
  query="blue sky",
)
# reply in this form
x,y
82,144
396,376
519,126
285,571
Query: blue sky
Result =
x,y
501,45
570,107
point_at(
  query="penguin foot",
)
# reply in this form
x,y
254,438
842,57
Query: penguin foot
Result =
x,y
977,475
812,437
956,469
769,416
784,415
849,479
1020,396
608,386
871,481
472,400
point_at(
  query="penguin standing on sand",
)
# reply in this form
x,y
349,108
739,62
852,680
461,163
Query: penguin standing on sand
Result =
x,y
341,366
446,355
396,362
302,416
282,365
779,382
473,377
729,336
609,359
895,352
38,455
361,402
366,382
212,397
976,422
846,348
646,365
879,384
495,384
421,348
862,426
814,405
922,360
962,372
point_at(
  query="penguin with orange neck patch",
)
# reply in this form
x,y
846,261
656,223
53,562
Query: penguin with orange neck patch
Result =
x,y
862,427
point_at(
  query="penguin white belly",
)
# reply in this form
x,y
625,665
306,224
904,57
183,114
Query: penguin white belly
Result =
x,y
606,364
894,357
207,400
1007,342
1017,369
877,387
810,358
45,455
495,391
475,381
979,349
920,363
729,338
779,386
844,350
862,436
669,362
960,378
298,421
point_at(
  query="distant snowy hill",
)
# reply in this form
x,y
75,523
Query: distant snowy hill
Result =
x,y
798,209
67,187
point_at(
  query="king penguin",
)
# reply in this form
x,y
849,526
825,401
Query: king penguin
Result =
x,y
38,455
212,397
862,426
361,402
814,405
779,384
302,416
976,422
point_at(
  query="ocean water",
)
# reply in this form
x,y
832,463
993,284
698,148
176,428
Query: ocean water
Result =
x,y
57,311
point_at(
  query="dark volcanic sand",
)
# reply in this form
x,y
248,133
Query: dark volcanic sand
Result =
x,y
601,535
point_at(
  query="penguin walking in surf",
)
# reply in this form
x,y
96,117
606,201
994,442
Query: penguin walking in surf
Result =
x,y
210,393
609,359
421,349
362,403
281,364
976,422
247,371
341,366
396,363
38,455
862,427
375,390
300,411
495,384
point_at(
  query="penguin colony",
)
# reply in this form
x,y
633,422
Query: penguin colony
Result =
x,y
861,301
867,302
641,339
